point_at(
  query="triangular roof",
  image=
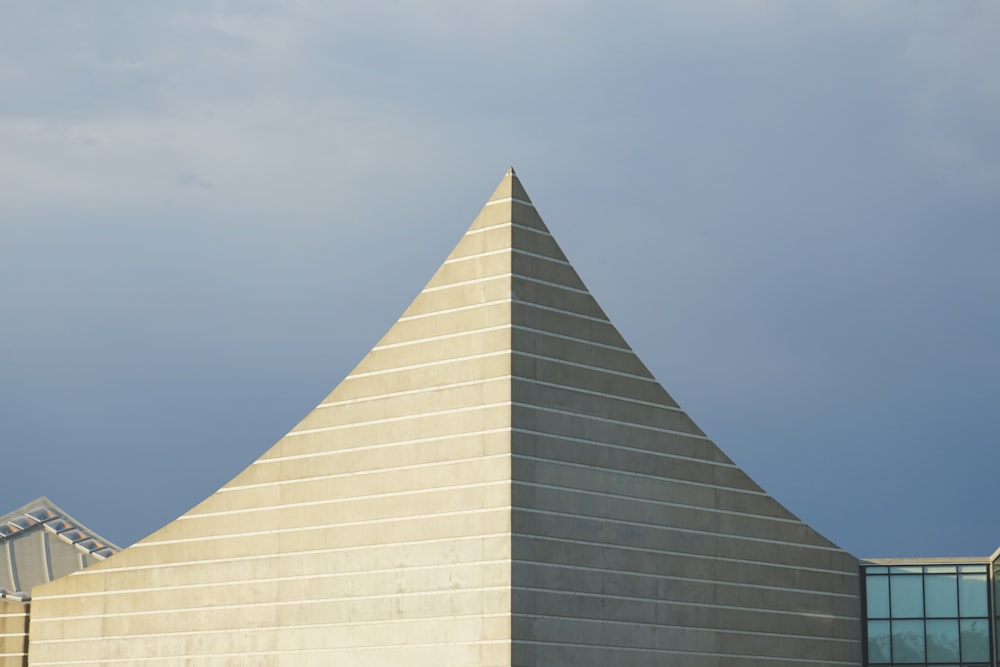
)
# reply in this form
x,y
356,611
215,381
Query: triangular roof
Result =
x,y
500,481
40,542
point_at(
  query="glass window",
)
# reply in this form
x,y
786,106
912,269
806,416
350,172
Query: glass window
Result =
x,y
908,641
930,615
941,595
996,605
58,525
972,594
971,568
42,514
907,593
942,641
878,642
73,535
975,641
878,596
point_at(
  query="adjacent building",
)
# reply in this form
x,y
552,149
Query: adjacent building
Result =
x,y
932,611
39,542
499,482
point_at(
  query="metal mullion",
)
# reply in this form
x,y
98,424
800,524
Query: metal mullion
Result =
x,y
991,621
864,615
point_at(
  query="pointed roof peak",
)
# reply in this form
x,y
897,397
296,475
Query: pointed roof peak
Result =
x,y
510,189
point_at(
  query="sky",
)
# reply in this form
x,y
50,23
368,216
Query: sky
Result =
x,y
210,211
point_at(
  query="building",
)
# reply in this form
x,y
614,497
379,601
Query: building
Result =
x,y
39,542
932,611
500,481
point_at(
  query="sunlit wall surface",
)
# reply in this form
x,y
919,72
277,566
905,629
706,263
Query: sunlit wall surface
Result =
x,y
929,614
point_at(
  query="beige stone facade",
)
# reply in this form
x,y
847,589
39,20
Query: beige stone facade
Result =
x,y
500,481
13,633
39,542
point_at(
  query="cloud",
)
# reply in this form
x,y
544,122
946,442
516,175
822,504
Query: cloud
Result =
x,y
789,208
188,179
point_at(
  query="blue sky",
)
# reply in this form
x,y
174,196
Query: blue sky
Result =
x,y
210,211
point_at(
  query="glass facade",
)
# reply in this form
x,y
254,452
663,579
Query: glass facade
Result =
x,y
937,615
996,607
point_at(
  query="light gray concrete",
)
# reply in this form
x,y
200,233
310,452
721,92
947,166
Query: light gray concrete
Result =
x,y
500,481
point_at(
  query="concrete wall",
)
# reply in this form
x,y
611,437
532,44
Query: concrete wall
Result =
x,y
499,482
636,541
13,633
377,532
36,556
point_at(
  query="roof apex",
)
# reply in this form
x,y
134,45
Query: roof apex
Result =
x,y
510,189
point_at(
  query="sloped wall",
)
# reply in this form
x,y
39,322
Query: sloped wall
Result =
x,y
636,541
377,532
499,482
